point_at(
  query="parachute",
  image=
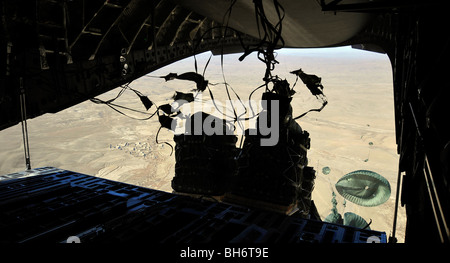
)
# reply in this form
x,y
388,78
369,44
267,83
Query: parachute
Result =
x,y
354,220
326,170
364,188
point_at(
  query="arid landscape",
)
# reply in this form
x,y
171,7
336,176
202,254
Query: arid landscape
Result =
x,y
355,131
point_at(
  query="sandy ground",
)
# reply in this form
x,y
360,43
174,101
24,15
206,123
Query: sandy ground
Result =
x,y
354,131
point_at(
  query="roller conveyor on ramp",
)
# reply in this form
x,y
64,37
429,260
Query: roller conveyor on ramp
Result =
x,y
50,205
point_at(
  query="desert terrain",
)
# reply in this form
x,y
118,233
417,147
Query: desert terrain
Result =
x,y
355,131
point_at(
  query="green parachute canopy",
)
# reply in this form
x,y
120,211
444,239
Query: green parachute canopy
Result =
x,y
354,220
350,219
365,188
334,218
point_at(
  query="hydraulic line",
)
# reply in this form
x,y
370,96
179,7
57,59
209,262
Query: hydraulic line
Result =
x,y
23,112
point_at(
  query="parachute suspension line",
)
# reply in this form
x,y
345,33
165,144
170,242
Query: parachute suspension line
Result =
x,y
23,112
226,20
144,99
157,142
368,224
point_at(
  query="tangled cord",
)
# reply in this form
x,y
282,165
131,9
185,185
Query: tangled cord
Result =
x,y
271,39
147,103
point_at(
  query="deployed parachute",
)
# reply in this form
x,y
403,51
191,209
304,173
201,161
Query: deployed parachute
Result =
x,y
354,220
326,170
365,188
350,219
333,218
